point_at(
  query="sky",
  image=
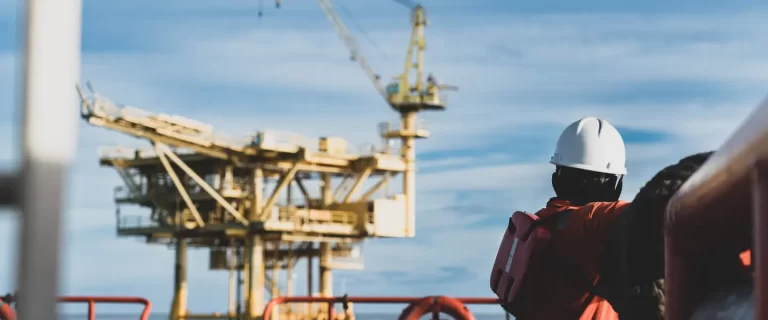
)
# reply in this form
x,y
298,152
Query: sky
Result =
x,y
675,78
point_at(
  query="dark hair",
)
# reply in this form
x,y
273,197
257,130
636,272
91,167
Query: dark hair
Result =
x,y
580,187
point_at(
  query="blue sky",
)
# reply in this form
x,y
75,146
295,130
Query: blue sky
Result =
x,y
674,77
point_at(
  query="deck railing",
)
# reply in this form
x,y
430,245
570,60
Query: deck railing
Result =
x,y
91,301
719,212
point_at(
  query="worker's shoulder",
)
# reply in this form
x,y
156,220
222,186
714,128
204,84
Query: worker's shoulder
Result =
x,y
604,206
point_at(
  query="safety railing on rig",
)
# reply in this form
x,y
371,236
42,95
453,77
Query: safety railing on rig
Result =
x,y
7,313
91,301
416,307
720,212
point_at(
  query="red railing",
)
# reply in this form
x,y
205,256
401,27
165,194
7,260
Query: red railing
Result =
x,y
92,300
719,212
330,301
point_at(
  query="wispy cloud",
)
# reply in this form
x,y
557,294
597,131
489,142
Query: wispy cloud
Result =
x,y
673,83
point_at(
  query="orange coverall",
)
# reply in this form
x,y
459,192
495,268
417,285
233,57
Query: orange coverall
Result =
x,y
578,238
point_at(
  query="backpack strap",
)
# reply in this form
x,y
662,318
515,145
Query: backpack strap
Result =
x,y
558,222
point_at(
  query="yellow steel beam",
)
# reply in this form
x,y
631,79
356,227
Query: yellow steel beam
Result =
x,y
284,181
191,173
341,187
304,191
360,178
384,180
179,187
213,152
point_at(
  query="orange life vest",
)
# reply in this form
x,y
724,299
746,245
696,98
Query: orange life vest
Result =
x,y
548,263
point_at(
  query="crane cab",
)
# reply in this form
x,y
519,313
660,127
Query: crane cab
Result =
x,y
412,100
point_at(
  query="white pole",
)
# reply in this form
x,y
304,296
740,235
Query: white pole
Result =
x,y
51,68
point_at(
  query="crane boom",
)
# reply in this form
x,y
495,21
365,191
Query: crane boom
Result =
x,y
351,44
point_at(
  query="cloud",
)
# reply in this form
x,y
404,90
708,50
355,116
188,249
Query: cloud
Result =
x,y
673,84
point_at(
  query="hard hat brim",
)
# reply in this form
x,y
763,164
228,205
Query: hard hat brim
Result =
x,y
622,171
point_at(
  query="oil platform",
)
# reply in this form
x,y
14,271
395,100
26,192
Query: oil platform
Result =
x,y
202,188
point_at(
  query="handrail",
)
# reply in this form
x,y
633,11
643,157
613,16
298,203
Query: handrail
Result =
x,y
729,166
92,300
726,197
375,300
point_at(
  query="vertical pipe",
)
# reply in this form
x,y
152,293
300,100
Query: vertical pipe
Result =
x,y
255,296
326,281
51,68
289,282
239,292
760,236
232,290
409,176
327,191
179,306
91,310
247,278
310,271
275,279
258,194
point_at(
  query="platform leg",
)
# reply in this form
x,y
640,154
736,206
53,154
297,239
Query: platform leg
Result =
x,y
232,292
326,280
255,297
179,305
310,278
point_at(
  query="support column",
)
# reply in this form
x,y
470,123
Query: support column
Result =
x,y
408,150
310,278
179,305
326,281
274,292
255,297
327,191
232,292
258,194
289,282
246,277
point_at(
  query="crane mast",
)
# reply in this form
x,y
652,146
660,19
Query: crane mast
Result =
x,y
400,94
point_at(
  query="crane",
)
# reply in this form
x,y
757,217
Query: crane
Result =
x,y
404,97
400,94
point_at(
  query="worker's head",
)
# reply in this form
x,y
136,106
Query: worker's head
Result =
x,y
589,162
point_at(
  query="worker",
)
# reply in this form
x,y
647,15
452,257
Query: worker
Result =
x,y
609,253
589,164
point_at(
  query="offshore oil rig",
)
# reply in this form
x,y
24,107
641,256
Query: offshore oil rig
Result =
x,y
261,202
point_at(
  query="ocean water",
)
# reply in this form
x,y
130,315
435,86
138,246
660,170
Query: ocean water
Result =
x,y
160,316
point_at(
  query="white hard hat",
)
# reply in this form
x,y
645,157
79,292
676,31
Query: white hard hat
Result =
x,y
591,144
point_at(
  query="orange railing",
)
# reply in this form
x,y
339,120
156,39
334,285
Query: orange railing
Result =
x,y
330,301
93,300
719,212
